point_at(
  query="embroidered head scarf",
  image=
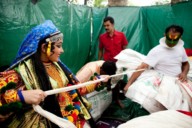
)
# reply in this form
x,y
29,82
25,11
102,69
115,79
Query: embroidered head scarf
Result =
x,y
30,43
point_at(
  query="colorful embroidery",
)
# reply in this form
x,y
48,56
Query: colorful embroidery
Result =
x,y
73,110
8,93
10,96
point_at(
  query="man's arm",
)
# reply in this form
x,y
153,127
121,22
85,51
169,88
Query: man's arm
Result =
x,y
100,54
124,47
135,75
125,42
185,70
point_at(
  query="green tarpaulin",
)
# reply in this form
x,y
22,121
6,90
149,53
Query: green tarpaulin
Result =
x,y
82,25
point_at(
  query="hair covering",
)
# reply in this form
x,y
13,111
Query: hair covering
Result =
x,y
30,43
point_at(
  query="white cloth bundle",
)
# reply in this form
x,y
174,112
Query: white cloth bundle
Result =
x,y
153,90
163,119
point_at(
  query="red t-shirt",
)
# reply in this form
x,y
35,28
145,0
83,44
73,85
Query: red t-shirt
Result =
x,y
112,45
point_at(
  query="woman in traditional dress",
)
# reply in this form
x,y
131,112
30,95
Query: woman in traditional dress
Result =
x,y
37,68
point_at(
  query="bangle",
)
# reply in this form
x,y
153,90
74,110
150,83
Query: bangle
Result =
x,y
21,96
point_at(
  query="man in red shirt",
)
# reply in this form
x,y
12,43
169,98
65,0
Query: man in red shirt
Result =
x,y
112,42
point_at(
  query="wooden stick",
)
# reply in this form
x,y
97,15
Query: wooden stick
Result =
x,y
123,73
69,88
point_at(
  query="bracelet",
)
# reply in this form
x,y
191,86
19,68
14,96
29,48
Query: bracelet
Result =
x,y
90,88
21,96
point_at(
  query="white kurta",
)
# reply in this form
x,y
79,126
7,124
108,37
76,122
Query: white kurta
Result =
x,y
165,59
154,90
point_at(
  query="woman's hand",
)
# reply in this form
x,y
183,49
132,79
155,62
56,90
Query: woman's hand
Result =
x,y
33,96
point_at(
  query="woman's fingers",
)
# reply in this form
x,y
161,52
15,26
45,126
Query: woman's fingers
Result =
x,y
33,96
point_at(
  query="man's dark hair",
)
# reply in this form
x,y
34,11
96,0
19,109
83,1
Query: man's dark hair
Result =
x,y
109,67
109,18
177,28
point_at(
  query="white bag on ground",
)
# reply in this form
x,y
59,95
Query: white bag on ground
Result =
x,y
163,119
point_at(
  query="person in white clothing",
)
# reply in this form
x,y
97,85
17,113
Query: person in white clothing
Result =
x,y
167,59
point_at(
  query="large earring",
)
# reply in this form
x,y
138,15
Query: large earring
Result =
x,y
49,47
